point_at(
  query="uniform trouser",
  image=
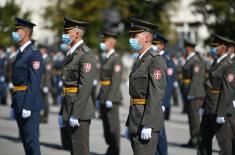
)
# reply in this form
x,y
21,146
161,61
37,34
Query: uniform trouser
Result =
x,y
80,138
231,122
194,118
175,96
144,147
29,131
208,129
111,125
45,106
167,113
162,143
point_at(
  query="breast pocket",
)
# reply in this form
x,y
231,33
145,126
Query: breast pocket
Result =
x,y
106,70
71,73
139,83
20,73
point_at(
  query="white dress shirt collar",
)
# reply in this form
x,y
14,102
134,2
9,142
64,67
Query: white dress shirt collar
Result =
x,y
190,55
110,53
24,45
232,56
221,58
142,54
71,51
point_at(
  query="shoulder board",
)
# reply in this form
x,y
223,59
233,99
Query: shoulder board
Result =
x,y
85,48
167,57
154,53
230,61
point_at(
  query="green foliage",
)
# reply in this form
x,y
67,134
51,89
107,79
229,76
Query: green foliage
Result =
x,y
224,13
8,12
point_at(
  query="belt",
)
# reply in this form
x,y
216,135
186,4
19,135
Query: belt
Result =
x,y
105,82
138,101
214,91
20,88
186,81
70,90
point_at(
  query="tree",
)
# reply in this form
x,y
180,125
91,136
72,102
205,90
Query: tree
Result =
x,y
93,11
8,12
219,16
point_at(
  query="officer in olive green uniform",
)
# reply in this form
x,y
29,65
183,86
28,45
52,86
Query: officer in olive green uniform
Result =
x,y
231,52
193,90
147,87
78,76
218,101
46,84
110,96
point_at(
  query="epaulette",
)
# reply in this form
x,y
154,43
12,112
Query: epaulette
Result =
x,y
154,53
35,49
85,48
167,57
230,61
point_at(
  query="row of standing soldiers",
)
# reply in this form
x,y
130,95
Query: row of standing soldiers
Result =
x,y
149,83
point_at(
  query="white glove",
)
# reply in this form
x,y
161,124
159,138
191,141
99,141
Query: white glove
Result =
x,y
95,82
60,83
108,104
163,108
146,133
60,121
127,136
201,111
220,120
176,84
45,89
10,85
26,113
2,78
234,103
73,122
190,97
12,114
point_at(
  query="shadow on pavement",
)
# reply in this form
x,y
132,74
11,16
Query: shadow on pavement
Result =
x,y
179,145
49,145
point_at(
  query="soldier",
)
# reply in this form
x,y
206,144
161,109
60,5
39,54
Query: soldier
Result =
x,y
217,103
3,75
58,59
78,76
193,90
26,78
231,120
110,96
159,44
10,62
46,84
147,87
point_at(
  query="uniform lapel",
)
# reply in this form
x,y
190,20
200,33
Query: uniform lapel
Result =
x,y
138,62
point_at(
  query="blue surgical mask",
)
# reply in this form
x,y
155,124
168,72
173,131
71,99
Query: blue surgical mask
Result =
x,y
66,39
64,47
155,47
103,46
135,45
16,37
213,51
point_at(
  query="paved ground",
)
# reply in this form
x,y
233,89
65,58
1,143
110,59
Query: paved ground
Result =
x,y
177,132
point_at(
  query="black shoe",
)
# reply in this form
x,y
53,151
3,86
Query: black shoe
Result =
x,y
189,145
